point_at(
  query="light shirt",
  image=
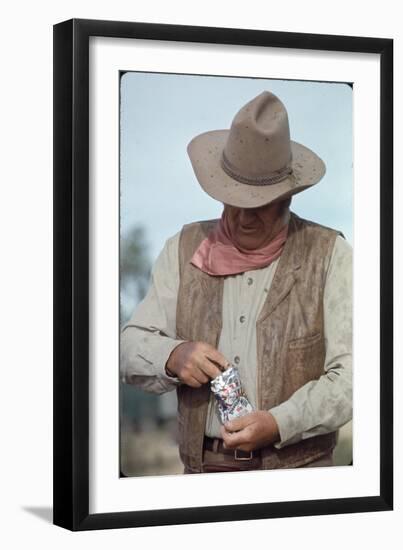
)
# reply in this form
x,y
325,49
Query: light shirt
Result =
x,y
318,407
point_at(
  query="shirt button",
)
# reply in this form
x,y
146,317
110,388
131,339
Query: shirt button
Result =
x,y
242,318
237,359
250,281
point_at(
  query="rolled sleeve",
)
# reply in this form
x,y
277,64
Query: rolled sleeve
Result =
x,y
287,417
146,353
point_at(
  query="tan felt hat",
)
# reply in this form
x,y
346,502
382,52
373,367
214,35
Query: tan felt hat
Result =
x,y
255,162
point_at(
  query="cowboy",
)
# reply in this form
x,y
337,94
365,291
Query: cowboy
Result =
x,y
259,288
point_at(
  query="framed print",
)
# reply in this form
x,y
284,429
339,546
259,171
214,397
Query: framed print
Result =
x,y
223,274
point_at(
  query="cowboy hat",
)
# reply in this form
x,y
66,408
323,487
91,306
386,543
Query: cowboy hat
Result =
x,y
255,162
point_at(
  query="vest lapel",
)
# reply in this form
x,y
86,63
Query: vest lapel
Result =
x,y
287,270
207,297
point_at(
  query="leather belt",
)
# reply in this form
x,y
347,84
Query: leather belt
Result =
x,y
216,445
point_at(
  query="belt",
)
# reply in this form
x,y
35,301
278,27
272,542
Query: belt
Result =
x,y
216,445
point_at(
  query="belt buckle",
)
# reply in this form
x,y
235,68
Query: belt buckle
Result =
x,y
236,457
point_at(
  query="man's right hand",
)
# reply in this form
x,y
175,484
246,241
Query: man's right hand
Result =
x,y
195,363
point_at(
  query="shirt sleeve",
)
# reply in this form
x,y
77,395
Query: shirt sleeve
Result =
x,y
324,405
149,337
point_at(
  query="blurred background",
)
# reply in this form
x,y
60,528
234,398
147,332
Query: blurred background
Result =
x,y
159,115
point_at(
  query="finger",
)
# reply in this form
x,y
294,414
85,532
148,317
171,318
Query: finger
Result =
x,y
217,357
209,368
234,440
199,375
192,382
238,423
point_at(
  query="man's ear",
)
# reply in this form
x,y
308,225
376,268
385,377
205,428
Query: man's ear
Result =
x,y
287,202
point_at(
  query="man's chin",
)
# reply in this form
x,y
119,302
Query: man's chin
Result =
x,y
248,242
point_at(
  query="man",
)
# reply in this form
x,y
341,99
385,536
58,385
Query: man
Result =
x,y
261,289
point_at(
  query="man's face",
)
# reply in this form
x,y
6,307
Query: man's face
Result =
x,y
253,228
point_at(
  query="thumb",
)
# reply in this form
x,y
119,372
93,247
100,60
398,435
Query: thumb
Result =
x,y
236,424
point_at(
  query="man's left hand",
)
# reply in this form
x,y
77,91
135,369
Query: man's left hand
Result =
x,y
250,432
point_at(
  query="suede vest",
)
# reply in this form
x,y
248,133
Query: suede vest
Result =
x,y
289,332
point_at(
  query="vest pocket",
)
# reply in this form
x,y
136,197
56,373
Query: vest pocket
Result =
x,y
305,341
304,362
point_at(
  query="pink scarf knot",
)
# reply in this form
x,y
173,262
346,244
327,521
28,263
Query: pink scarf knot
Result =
x,y
217,254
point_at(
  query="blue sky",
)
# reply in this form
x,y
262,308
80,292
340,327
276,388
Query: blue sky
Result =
x,y
161,113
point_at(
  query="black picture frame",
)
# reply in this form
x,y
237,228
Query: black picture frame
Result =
x,y
71,273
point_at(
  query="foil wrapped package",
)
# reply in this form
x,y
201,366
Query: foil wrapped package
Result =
x,y
231,399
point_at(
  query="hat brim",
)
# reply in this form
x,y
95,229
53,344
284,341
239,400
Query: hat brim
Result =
x,y
205,152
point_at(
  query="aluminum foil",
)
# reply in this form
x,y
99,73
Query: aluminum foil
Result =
x,y
231,399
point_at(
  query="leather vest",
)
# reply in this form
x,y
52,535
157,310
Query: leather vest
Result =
x,y
289,332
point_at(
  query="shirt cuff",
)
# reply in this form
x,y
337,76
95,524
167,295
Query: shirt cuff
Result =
x,y
287,417
164,353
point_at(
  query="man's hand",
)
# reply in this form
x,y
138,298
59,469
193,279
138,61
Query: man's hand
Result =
x,y
195,363
250,432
